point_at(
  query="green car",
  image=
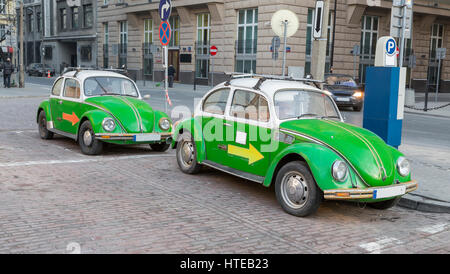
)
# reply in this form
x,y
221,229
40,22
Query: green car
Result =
x,y
95,107
291,134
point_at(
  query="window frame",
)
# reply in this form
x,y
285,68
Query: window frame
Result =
x,y
63,95
202,106
60,88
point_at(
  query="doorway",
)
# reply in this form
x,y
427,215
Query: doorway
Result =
x,y
174,59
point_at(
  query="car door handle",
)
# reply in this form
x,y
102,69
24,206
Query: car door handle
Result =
x,y
227,125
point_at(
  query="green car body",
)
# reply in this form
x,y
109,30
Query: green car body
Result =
x,y
135,122
318,142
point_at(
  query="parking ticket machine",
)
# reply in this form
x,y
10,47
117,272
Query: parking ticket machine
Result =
x,y
385,94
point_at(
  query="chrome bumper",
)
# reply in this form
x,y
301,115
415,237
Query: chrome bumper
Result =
x,y
367,193
136,137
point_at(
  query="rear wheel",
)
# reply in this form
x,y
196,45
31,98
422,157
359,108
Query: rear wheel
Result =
x,y
42,124
296,190
384,204
187,154
160,147
88,143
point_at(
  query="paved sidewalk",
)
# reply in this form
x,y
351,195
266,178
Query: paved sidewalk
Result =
x,y
443,100
30,90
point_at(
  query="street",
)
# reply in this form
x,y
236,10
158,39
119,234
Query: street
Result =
x,y
134,200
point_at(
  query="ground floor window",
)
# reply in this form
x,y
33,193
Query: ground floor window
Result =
x,y
105,56
246,66
202,68
86,53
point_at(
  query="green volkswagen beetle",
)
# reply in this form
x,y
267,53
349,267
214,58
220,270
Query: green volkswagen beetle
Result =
x,y
291,134
95,107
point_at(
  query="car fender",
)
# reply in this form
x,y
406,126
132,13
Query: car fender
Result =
x,y
158,116
319,160
96,118
45,106
193,126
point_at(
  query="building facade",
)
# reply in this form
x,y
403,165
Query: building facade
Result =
x,y
33,30
240,29
8,41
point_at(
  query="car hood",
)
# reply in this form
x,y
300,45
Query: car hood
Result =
x,y
341,90
135,115
364,150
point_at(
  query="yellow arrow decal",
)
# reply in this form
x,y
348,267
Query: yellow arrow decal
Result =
x,y
252,154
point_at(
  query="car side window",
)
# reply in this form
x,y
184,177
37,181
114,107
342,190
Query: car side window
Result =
x,y
249,105
71,88
216,102
57,87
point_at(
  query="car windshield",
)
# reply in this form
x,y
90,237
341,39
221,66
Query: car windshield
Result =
x,y
340,80
298,104
98,86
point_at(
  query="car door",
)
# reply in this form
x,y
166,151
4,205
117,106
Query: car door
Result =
x,y
69,107
212,119
248,133
55,101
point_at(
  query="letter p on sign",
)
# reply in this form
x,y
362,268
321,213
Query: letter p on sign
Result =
x,y
391,47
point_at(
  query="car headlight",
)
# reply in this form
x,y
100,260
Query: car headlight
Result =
x,y
164,124
358,94
108,124
403,166
339,170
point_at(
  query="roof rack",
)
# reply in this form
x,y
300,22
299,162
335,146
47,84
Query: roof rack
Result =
x,y
79,69
262,78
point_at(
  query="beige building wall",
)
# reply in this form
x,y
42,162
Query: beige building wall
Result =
x,y
224,17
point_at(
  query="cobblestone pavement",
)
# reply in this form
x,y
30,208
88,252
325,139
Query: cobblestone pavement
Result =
x,y
133,200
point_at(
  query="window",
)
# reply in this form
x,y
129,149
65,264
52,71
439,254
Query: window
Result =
x,y
369,38
63,19
87,17
203,36
174,22
39,21
95,86
75,22
148,40
2,30
105,2
71,88
310,39
437,40
2,7
86,53
48,52
216,102
30,22
56,90
247,40
105,45
250,105
296,104
123,36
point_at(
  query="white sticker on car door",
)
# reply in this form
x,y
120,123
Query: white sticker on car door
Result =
x,y
241,137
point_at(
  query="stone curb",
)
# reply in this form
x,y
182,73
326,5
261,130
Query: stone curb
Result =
x,y
424,204
428,114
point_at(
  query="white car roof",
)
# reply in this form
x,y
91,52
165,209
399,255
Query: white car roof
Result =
x,y
83,74
270,86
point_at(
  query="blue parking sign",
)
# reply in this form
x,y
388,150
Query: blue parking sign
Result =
x,y
165,8
391,47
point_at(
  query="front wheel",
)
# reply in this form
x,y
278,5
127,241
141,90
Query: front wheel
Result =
x,y
42,123
187,154
296,190
160,147
384,204
88,143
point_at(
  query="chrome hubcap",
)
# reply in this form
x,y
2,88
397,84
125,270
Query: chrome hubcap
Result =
x,y
87,138
294,190
187,153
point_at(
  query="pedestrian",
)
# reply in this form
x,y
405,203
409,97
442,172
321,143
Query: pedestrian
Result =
x,y
171,71
7,71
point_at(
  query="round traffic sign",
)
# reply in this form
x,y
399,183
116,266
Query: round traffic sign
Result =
x,y
391,47
165,8
164,33
213,50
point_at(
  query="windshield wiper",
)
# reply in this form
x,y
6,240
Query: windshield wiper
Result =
x,y
330,116
307,115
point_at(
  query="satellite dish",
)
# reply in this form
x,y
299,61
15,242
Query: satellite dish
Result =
x,y
278,20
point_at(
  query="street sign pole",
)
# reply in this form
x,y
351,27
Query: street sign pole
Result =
x,y
438,77
165,9
285,44
166,74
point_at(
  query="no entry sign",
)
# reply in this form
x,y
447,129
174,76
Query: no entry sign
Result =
x,y
164,33
213,50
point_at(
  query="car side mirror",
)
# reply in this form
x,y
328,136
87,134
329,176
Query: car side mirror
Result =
x,y
147,96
